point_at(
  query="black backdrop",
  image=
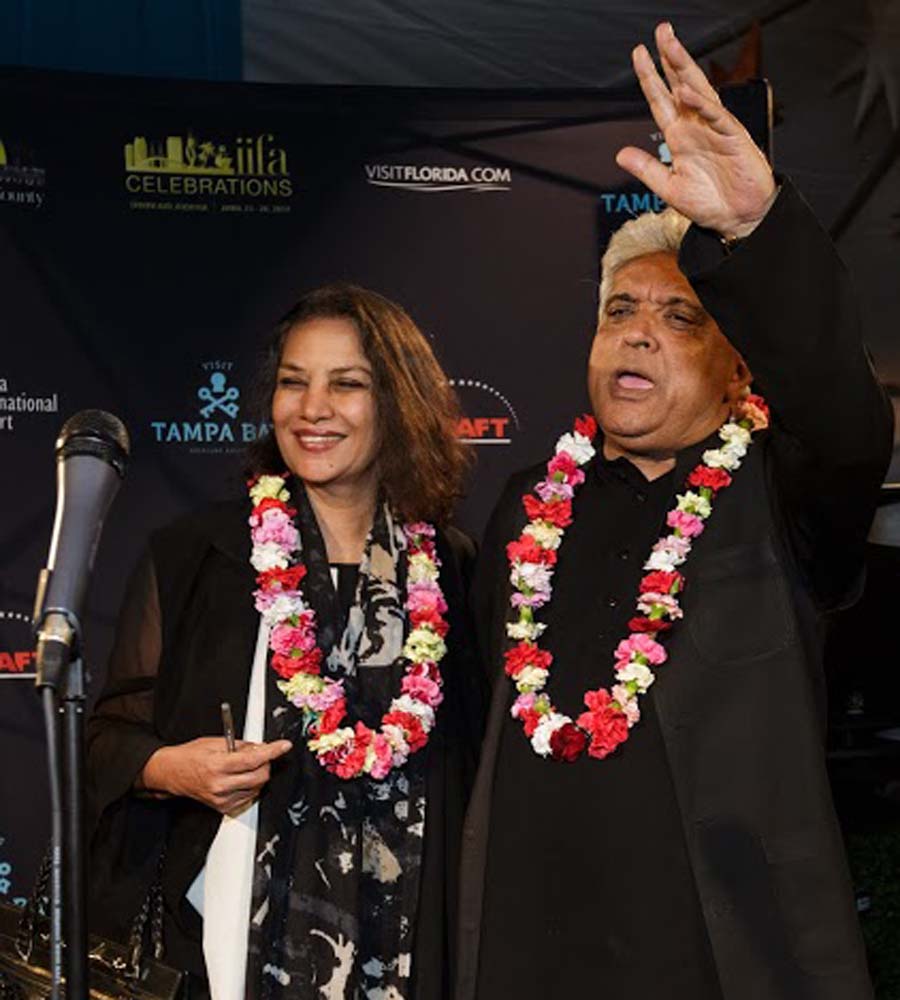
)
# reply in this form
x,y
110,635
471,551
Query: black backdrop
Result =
x,y
150,235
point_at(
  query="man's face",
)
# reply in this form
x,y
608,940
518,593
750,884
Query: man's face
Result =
x,y
661,375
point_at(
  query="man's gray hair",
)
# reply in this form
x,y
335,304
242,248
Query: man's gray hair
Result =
x,y
651,232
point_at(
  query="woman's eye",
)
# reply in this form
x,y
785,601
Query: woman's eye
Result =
x,y
349,383
290,381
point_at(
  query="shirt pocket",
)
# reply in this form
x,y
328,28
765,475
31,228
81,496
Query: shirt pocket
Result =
x,y
737,606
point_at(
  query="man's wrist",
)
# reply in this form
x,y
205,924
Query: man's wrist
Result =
x,y
733,234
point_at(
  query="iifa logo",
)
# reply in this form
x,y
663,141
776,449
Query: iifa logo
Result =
x,y
489,415
21,182
218,408
191,165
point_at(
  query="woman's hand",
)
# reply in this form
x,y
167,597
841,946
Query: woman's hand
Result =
x,y
719,177
205,770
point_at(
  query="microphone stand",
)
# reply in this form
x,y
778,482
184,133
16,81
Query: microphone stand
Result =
x,y
73,844
61,680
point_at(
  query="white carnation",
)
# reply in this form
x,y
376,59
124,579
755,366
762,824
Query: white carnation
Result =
x,y
548,536
736,434
638,672
421,569
536,576
540,738
282,607
694,503
268,555
720,458
530,679
664,560
524,630
577,445
405,703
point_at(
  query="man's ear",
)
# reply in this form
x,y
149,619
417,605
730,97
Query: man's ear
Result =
x,y
741,377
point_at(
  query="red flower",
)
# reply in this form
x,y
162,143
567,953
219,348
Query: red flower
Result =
x,y
281,579
415,734
332,717
529,719
526,549
586,425
306,663
564,463
267,503
526,654
754,400
558,512
661,582
352,763
567,742
608,726
429,616
644,624
714,479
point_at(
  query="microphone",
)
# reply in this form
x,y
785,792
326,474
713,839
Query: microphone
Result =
x,y
91,455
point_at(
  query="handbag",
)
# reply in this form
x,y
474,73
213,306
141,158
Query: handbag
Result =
x,y
116,971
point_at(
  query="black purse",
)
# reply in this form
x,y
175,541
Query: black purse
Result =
x,y
116,971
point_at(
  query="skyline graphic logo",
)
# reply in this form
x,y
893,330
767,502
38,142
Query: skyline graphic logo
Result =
x,y
199,172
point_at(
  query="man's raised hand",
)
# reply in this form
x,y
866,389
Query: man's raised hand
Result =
x,y
719,178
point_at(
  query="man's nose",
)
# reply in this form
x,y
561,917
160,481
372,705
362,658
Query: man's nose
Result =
x,y
640,334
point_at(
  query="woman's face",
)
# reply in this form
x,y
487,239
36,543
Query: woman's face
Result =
x,y
324,411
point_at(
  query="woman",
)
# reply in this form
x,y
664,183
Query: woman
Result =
x,y
334,872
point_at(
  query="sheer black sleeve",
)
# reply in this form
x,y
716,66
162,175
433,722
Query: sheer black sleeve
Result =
x,y
784,300
120,733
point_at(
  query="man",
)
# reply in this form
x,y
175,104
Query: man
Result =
x,y
673,836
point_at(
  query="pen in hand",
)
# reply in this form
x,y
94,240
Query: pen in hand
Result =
x,y
228,727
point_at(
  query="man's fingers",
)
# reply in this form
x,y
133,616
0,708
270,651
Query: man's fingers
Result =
x,y
662,107
712,112
646,168
680,62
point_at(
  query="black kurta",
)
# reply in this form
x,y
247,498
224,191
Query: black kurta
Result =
x,y
615,886
185,643
723,785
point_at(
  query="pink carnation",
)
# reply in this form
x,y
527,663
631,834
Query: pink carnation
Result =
x,y
384,757
564,463
554,491
643,644
418,528
284,638
688,524
422,689
672,543
425,597
628,704
275,526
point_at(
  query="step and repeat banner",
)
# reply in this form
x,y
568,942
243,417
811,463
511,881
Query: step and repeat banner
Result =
x,y
151,234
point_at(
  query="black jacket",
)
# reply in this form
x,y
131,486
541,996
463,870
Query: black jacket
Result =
x,y
741,701
185,643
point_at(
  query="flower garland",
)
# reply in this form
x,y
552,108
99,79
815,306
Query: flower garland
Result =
x,y
344,750
610,713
